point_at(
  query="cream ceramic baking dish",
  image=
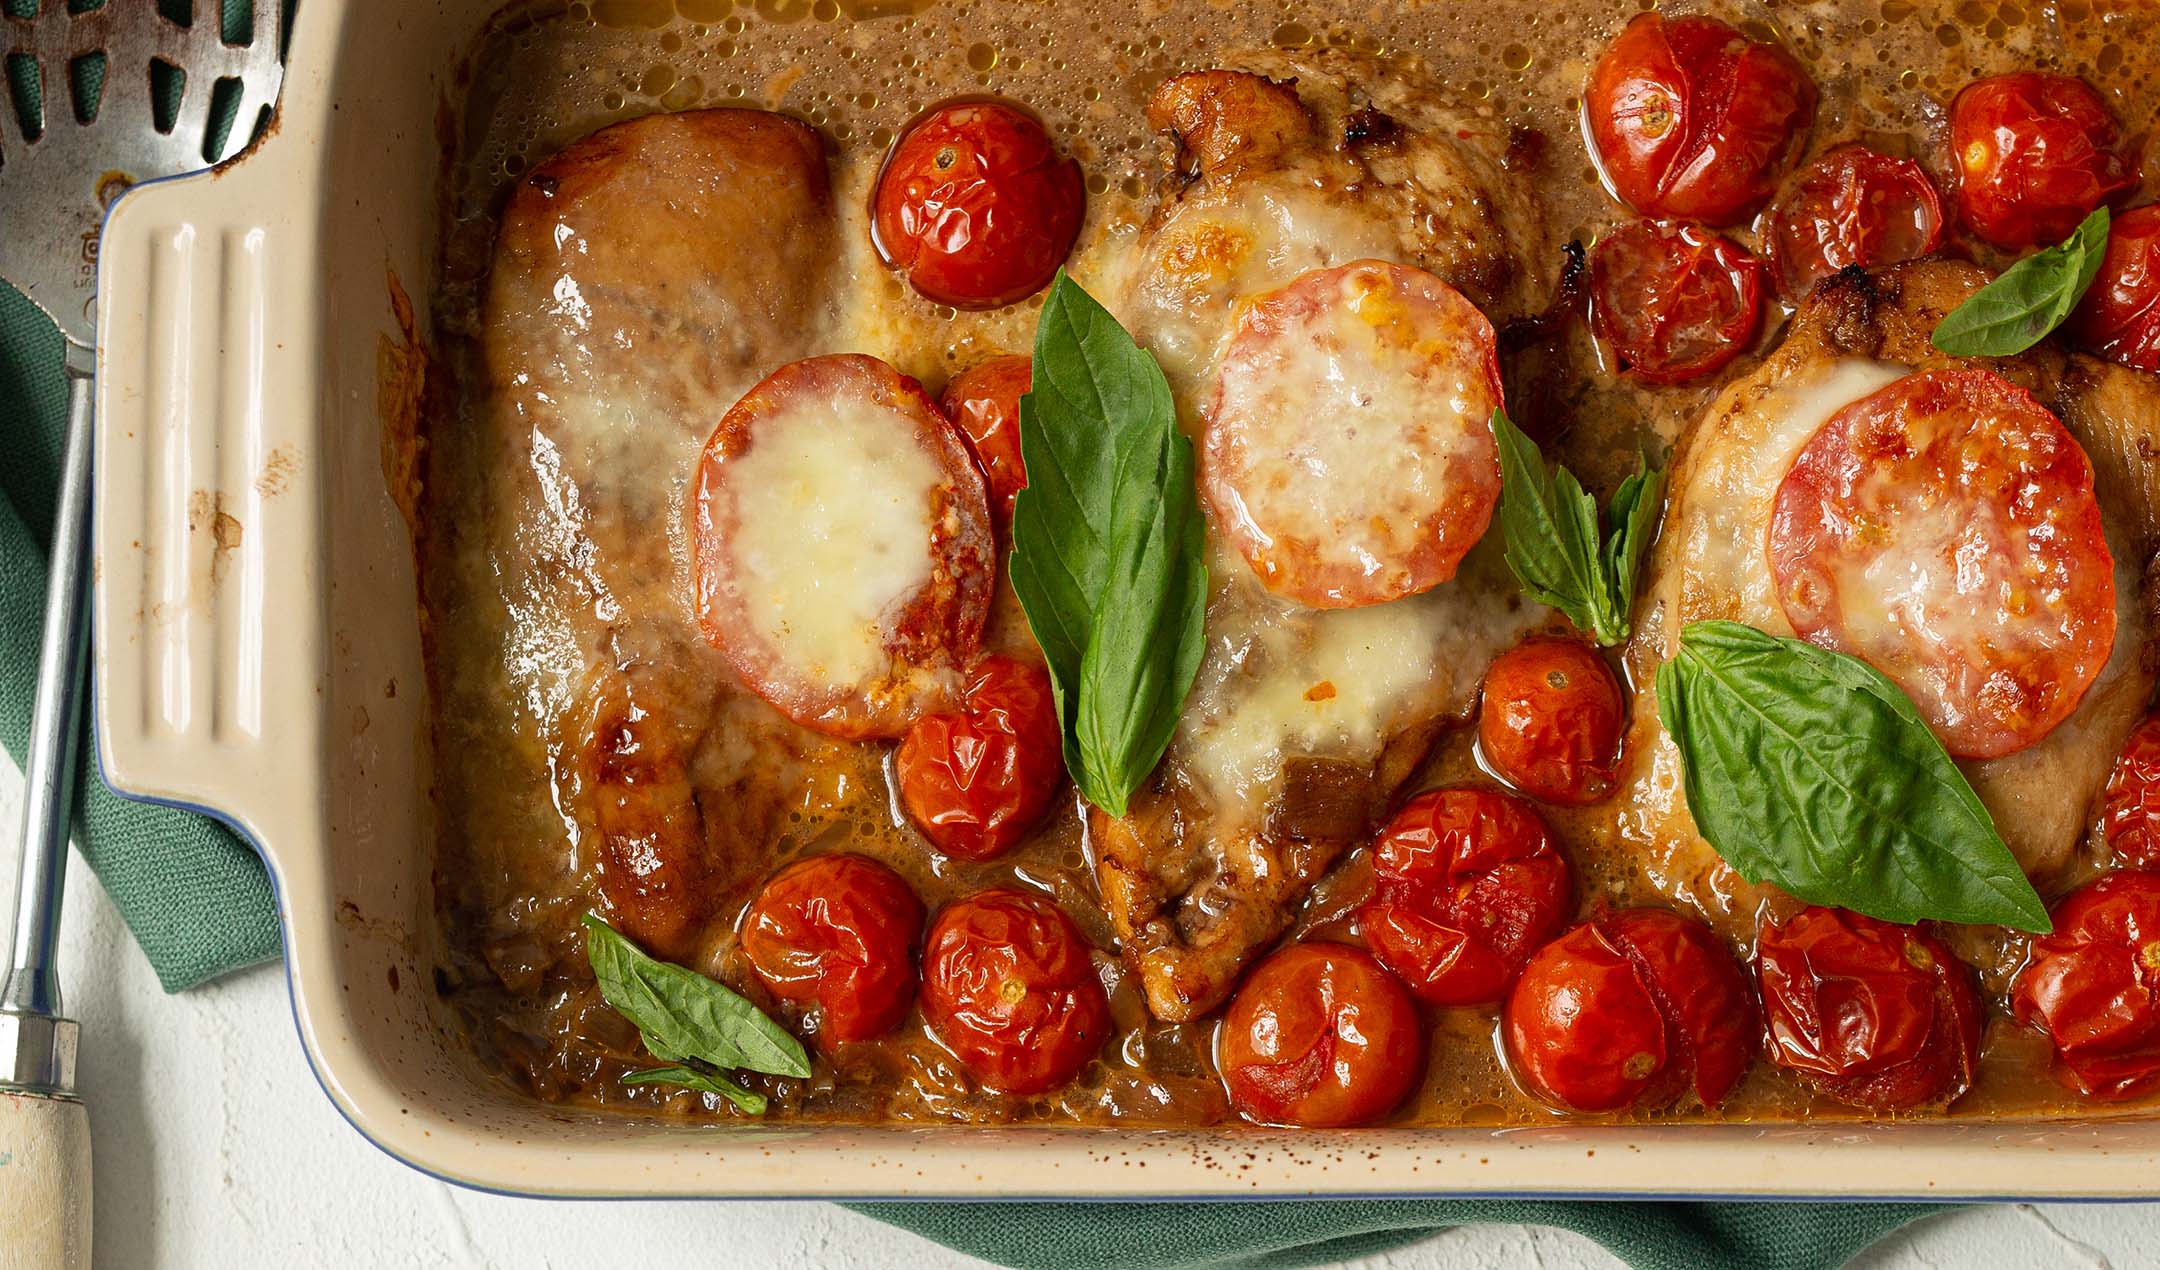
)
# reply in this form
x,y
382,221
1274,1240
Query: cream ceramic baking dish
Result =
x,y
258,655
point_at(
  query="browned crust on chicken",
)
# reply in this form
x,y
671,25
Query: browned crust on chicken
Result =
x,y
1225,120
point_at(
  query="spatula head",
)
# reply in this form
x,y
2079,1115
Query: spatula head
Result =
x,y
102,114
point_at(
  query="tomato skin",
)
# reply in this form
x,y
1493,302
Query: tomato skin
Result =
x,y
2130,815
975,205
983,401
2119,318
1630,1008
1468,885
1852,206
1321,1036
1009,987
1675,301
1875,1014
837,932
2093,986
1689,118
2034,153
975,781
1550,720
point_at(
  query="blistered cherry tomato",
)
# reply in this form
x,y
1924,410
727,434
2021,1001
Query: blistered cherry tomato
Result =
x,y
976,206
1690,118
1675,301
2131,816
1009,987
1550,721
1875,1014
837,932
983,401
1944,530
1320,1035
1467,884
1852,206
2119,318
977,780
2093,986
2034,154
1630,1008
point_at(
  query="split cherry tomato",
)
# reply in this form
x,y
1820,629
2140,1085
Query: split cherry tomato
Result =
x,y
1852,206
983,401
1944,530
1878,1015
837,932
2034,154
1469,883
976,206
2119,318
1550,721
1627,1009
2094,986
1675,301
1690,118
1009,987
976,781
2131,817
1320,1036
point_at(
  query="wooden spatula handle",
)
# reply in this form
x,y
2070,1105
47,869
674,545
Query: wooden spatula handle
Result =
x,y
44,1183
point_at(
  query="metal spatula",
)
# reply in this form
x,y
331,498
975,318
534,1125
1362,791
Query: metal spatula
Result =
x,y
92,112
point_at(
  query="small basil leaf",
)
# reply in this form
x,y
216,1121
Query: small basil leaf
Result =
x,y
704,1081
1107,551
2030,299
683,1015
1810,769
1631,522
1551,527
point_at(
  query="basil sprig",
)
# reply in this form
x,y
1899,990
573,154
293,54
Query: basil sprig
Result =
x,y
2031,298
1810,769
1106,544
1553,543
695,1026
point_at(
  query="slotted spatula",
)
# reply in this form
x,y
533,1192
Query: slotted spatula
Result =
x,y
96,101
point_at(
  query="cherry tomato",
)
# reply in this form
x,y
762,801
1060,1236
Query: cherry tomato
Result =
x,y
2093,986
1009,987
837,932
1630,1008
975,782
2034,154
2119,318
1690,118
1944,530
975,205
1320,1036
1468,883
1852,206
2131,816
1878,1015
983,401
1675,301
1550,721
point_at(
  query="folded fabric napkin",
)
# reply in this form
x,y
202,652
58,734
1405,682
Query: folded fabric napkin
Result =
x,y
199,904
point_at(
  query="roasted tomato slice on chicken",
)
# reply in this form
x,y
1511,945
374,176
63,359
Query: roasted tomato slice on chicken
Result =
x,y
1320,1036
1348,451
837,932
1852,206
1675,301
2093,986
844,558
2034,153
976,780
1944,529
2119,318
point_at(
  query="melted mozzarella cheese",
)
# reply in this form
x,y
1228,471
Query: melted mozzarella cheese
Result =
x,y
832,534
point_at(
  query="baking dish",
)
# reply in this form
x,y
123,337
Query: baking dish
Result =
x,y
259,656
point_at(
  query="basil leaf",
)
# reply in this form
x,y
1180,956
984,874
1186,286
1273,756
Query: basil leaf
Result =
x,y
683,1015
1810,769
703,1080
1551,525
1107,548
2031,298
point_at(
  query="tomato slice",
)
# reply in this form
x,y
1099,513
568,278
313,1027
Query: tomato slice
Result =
x,y
2119,318
2093,986
2034,153
1348,450
1320,1036
1852,206
1944,530
1674,300
1689,118
843,550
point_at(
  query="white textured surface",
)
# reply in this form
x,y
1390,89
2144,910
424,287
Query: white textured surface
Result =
x,y
214,1148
